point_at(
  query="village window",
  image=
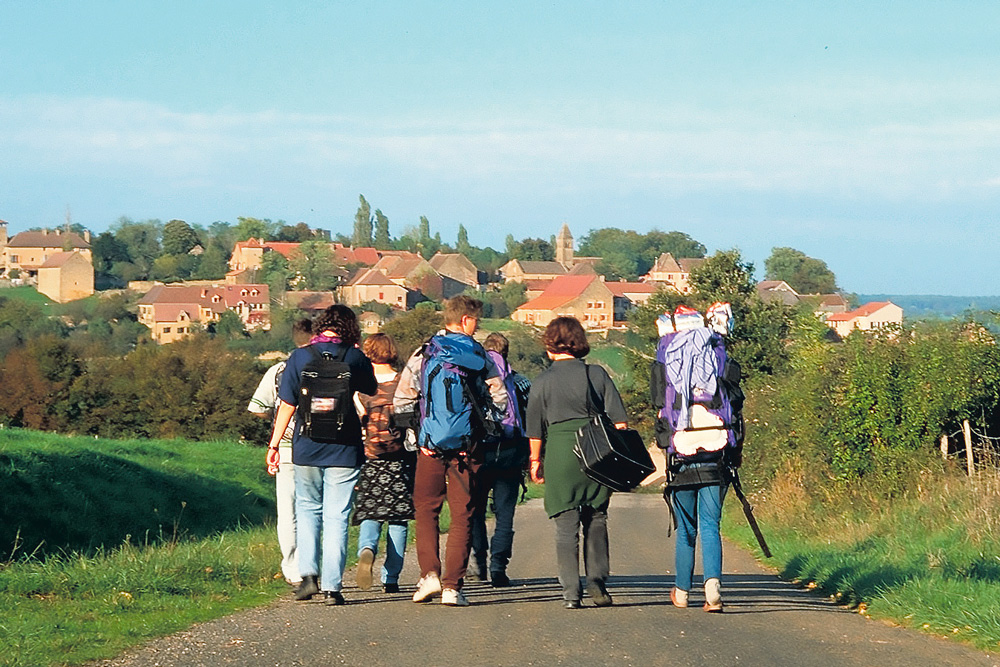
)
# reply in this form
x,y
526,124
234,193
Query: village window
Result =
x,y
381,295
15,259
180,330
600,304
166,329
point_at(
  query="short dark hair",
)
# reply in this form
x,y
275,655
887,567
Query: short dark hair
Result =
x,y
341,320
565,335
302,331
380,349
497,342
462,305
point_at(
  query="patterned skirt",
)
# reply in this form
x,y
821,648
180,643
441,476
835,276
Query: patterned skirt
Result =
x,y
385,490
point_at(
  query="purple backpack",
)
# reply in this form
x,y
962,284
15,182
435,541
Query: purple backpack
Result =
x,y
695,387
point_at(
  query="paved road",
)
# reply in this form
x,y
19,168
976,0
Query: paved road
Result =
x,y
767,621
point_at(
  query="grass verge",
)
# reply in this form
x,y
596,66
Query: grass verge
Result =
x,y
929,560
71,609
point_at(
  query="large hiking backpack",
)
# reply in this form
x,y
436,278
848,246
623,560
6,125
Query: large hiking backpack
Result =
x,y
511,450
453,395
695,386
324,395
382,436
513,418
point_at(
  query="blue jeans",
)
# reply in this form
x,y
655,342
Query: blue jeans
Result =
x,y
395,545
506,486
323,498
698,509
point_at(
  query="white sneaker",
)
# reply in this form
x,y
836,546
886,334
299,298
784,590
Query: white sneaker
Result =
x,y
713,595
428,586
454,598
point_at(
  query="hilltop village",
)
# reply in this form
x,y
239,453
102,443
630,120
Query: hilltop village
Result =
x,y
539,281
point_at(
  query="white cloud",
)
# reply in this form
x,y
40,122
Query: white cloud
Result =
x,y
681,150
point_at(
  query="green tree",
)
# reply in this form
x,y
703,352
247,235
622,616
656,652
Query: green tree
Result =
x,y
142,240
294,234
276,272
805,274
171,268
363,221
383,241
254,228
510,246
412,328
462,244
628,254
106,250
229,326
314,266
513,294
427,245
532,250
178,238
223,234
214,262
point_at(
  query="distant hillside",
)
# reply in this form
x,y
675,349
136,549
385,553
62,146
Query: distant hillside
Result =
x,y
917,306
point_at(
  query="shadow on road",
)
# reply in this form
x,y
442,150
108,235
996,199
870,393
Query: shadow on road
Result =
x,y
743,593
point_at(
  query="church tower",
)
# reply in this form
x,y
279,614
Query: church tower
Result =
x,y
564,247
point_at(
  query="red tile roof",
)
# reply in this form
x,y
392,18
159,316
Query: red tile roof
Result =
x,y
560,291
56,260
46,240
863,311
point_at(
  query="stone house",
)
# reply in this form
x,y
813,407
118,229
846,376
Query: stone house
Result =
x,y
26,252
628,295
457,272
869,317
771,291
584,296
170,310
374,285
674,273
66,276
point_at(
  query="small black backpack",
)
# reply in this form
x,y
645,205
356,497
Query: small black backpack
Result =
x,y
324,395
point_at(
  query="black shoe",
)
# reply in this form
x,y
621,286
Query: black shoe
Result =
x,y
334,598
571,604
308,588
476,571
499,580
390,588
599,594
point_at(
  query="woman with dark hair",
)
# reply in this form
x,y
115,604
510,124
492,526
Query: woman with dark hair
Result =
x,y
327,467
557,407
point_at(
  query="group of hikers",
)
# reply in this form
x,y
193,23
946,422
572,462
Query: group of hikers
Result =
x,y
355,440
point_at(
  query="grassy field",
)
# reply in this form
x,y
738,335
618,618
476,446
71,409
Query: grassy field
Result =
x,y
26,293
929,561
109,543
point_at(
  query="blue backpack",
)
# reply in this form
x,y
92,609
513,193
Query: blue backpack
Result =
x,y
453,396
695,386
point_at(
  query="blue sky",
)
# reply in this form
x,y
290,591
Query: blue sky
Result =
x,y
865,134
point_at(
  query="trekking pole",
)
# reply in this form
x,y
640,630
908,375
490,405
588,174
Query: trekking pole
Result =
x,y
734,478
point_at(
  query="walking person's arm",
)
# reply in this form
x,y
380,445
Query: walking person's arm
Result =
x,y
281,420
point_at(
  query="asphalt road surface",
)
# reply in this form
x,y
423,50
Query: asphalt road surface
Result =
x,y
766,622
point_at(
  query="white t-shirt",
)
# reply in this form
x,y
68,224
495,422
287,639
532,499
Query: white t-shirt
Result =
x,y
265,399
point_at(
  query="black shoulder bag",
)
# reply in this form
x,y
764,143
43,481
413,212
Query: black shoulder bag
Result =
x,y
616,458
